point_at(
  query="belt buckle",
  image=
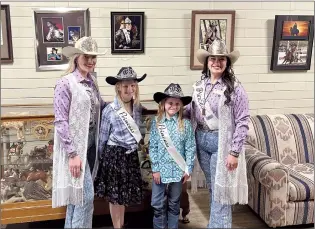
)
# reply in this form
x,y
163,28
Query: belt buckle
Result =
x,y
204,127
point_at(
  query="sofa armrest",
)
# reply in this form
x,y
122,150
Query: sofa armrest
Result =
x,y
274,177
269,172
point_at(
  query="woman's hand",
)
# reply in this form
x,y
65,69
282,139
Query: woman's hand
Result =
x,y
157,177
75,166
231,162
185,178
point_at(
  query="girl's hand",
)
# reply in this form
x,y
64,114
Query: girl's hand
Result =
x,y
75,166
157,177
231,162
185,178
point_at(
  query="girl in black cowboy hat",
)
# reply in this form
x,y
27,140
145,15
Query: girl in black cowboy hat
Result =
x,y
172,152
119,177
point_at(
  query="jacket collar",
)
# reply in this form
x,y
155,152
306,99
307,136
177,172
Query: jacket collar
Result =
x,y
118,106
173,118
116,103
208,81
80,78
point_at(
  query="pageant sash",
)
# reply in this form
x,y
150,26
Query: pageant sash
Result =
x,y
129,122
168,144
205,110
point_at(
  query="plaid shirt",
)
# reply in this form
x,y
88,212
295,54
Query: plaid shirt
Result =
x,y
114,130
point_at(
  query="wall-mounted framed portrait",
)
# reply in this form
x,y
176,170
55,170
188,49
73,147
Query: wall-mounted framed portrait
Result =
x,y
208,25
127,32
56,28
292,42
6,35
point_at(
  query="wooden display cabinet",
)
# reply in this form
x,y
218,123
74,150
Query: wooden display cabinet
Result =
x,y
26,166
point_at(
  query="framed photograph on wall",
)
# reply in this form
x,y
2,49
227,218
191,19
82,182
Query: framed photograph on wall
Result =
x,y
56,28
292,42
127,32
6,35
206,26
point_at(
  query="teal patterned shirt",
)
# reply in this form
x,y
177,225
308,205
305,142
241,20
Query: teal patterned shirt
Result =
x,y
184,141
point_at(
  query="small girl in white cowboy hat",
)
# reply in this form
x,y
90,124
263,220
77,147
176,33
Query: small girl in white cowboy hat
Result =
x,y
172,152
77,106
119,176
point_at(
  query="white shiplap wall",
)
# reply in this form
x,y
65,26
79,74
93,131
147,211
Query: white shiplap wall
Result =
x,y
167,46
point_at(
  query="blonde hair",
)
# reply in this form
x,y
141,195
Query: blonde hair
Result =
x,y
71,65
161,112
136,99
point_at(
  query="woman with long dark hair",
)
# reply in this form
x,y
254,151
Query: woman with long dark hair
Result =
x,y
219,113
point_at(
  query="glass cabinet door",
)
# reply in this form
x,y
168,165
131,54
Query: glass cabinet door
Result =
x,y
27,140
26,159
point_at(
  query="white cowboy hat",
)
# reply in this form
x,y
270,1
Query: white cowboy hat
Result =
x,y
125,73
217,48
85,45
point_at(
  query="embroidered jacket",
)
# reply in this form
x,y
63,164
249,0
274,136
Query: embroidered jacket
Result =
x,y
62,102
79,122
114,130
184,142
240,110
229,188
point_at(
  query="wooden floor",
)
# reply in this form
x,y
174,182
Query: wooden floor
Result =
x,y
243,217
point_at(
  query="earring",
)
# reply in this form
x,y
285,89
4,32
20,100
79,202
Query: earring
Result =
x,y
229,70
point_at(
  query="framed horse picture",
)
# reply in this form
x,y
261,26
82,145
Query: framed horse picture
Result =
x,y
208,25
292,42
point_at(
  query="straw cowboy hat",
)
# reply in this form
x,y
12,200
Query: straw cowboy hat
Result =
x,y
217,48
125,73
172,91
85,45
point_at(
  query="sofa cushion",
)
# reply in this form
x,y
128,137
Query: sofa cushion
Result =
x,y
287,138
301,182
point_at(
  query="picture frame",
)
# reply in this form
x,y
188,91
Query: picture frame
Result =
x,y
292,42
6,35
207,25
127,32
56,28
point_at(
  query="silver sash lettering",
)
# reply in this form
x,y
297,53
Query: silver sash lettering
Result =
x,y
129,122
167,141
199,94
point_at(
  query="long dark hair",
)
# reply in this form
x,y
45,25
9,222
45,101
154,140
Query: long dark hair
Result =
x,y
228,78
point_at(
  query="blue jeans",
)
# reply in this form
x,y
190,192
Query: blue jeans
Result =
x,y
166,215
207,150
81,216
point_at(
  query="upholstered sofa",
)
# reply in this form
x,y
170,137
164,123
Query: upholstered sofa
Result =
x,y
280,168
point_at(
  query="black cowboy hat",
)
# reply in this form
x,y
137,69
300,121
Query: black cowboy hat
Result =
x,y
172,91
125,73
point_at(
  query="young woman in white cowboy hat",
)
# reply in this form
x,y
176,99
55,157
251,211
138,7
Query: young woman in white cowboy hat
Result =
x,y
119,177
220,114
172,152
77,105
